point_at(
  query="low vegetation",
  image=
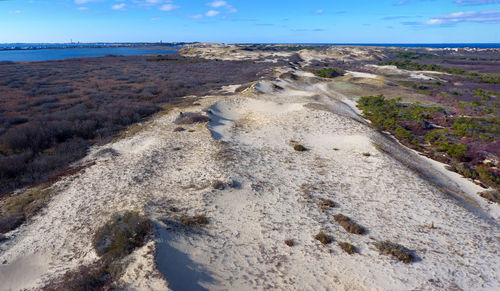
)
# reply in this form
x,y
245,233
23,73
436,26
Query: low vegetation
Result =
x,y
193,221
290,242
326,204
121,235
52,112
16,209
347,247
461,141
414,66
323,238
491,195
348,224
395,250
329,72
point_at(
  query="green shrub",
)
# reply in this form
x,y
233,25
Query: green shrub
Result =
x,y
487,176
329,73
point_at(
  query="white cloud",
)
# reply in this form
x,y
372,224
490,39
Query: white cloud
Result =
x,y
120,6
82,8
155,18
197,16
486,16
223,4
217,4
15,12
168,7
319,11
476,2
212,13
84,1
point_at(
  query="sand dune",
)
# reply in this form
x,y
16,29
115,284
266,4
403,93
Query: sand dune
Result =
x,y
272,194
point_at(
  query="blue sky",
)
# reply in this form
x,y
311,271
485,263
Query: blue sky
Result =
x,y
276,21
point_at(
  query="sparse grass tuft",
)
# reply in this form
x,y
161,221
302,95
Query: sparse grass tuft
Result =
x,y
17,209
299,148
491,195
367,154
290,242
323,238
121,235
191,221
326,204
84,278
398,251
218,185
348,224
347,247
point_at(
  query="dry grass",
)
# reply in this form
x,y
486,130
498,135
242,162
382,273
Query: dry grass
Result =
x,y
326,204
398,251
19,208
218,185
193,221
299,148
367,154
348,224
491,195
323,238
347,247
121,235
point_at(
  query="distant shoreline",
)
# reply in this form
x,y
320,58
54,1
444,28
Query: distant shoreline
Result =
x,y
42,46
38,46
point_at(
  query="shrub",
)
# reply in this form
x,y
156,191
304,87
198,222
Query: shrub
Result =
x,y
323,238
348,224
329,73
299,148
290,242
191,118
347,247
84,278
121,235
398,251
488,176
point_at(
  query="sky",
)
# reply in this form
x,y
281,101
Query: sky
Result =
x,y
256,21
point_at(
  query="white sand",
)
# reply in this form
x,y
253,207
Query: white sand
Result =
x,y
276,199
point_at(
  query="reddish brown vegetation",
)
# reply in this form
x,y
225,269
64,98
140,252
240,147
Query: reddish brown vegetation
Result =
x,y
51,112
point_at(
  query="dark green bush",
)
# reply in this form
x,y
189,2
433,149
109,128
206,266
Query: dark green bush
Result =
x,y
329,73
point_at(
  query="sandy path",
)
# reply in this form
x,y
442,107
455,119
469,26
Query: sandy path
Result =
x,y
275,196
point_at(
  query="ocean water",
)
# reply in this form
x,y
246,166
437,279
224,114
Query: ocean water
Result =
x,y
50,54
